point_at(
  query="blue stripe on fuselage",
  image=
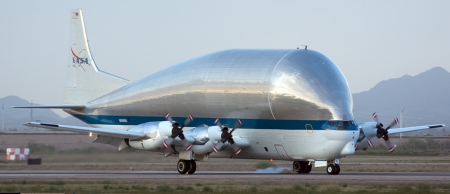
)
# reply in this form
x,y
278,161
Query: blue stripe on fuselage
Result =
x,y
246,123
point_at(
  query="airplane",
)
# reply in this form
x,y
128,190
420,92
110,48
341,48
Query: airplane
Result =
x,y
286,104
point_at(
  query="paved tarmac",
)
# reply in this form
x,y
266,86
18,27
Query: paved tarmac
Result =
x,y
226,176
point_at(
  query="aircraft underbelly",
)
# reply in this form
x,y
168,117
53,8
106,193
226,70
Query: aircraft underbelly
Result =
x,y
291,144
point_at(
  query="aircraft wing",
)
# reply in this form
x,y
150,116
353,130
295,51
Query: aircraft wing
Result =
x,y
63,106
416,128
101,131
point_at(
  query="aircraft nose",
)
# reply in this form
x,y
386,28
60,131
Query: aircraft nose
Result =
x,y
349,149
308,85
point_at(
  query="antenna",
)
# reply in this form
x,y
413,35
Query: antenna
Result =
x,y
31,113
401,118
401,124
306,46
3,118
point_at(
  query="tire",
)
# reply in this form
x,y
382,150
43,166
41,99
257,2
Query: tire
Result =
x,y
331,169
183,166
192,166
297,167
338,169
308,168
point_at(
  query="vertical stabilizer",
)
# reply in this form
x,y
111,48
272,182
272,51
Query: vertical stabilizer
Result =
x,y
86,82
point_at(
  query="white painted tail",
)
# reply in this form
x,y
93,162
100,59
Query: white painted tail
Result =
x,y
86,82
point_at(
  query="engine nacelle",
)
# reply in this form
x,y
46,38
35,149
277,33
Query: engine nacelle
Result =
x,y
211,135
156,131
367,131
214,134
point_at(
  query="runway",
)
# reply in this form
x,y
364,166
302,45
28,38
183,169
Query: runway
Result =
x,y
226,176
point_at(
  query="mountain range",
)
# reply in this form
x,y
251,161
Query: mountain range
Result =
x,y
15,117
424,99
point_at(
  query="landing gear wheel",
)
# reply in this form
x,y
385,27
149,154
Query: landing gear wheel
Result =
x,y
338,169
331,169
299,166
183,166
192,166
308,168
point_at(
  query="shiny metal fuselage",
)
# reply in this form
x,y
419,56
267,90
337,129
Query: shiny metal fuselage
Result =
x,y
283,97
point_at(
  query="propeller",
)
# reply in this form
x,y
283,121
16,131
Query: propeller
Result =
x,y
236,125
188,120
383,133
169,141
217,147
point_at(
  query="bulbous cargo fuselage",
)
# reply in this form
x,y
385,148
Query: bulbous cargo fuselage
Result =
x,y
296,91
246,84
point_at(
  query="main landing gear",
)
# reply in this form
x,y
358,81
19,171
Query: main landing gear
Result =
x,y
333,169
302,167
186,166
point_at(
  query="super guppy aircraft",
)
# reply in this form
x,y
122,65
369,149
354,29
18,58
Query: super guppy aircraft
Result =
x,y
293,104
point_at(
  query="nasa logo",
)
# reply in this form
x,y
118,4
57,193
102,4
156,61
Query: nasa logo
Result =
x,y
80,60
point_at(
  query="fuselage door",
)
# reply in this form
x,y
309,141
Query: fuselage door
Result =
x,y
281,151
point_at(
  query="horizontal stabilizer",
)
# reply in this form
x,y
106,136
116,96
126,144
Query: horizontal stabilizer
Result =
x,y
100,131
416,128
53,106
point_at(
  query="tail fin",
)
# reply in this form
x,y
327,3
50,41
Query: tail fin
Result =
x,y
86,82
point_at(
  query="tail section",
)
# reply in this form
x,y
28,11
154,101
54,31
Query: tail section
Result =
x,y
86,82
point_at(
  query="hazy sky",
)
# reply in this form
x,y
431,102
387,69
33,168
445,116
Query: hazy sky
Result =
x,y
370,41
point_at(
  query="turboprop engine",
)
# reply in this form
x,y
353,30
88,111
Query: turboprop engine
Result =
x,y
203,139
370,132
367,135
156,131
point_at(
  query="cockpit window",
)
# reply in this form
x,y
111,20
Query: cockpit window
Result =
x,y
340,125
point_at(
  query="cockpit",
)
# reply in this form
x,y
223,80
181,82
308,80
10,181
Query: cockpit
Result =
x,y
340,125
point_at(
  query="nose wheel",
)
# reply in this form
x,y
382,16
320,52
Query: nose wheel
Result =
x,y
333,169
186,166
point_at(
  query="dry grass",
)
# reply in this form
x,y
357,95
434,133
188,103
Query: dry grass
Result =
x,y
220,187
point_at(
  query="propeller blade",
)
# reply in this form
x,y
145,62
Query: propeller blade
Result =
x,y
188,120
168,117
395,122
375,116
369,142
390,146
217,122
237,150
236,125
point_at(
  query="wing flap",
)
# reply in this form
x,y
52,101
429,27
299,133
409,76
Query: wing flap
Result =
x,y
101,131
415,128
